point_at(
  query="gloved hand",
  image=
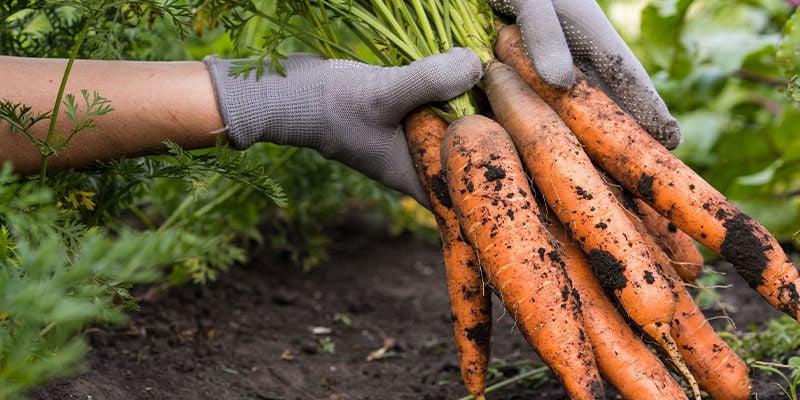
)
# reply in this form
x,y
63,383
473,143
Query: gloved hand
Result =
x,y
558,33
348,111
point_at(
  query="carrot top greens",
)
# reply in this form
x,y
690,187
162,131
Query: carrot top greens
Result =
x,y
382,32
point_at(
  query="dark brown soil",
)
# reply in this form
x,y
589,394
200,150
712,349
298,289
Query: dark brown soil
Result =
x,y
269,331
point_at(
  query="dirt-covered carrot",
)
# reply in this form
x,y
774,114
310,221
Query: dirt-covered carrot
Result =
x,y
493,201
579,197
624,360
718,369
638,162
470,300
684,256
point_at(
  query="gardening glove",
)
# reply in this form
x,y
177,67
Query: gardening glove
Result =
x,y
348,111
558,33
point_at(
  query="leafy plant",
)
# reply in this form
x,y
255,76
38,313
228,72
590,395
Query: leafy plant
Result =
x,y
57,276
73,243
774,342
326,345
772,349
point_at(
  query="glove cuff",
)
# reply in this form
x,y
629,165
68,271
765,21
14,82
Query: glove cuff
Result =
x,y
268,109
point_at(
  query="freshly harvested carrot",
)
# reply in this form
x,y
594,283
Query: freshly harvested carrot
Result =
x,y
470,301
684,256
493,201
718,369
581,200
624,360
638,162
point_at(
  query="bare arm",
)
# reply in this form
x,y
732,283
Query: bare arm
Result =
x,y
152,101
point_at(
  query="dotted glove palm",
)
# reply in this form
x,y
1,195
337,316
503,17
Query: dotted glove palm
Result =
x,y
558,33
348,111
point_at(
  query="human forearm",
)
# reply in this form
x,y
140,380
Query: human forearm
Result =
x,y
348,111
152,101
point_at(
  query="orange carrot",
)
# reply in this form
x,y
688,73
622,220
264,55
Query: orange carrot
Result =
x,y
638,162
494,204
579,197
684,256
718,369
470,302
624,360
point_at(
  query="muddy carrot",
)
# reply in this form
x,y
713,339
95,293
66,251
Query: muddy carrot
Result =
x,y
718,369
684,256
638,162
470,300
579,197
493,201
624,360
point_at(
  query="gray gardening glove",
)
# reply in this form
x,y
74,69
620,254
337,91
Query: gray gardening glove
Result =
x,y
557,33
348,111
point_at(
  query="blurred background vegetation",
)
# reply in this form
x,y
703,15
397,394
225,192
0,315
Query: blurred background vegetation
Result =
x,y
727,70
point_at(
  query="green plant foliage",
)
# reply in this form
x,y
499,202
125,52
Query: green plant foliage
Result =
x,y
789,48
777,341
37,28
58,276
664,21
789,55
73,243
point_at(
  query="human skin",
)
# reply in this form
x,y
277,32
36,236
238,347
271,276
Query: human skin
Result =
x,y
153,102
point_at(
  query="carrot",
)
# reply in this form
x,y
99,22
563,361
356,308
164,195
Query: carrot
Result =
x,y
623,359
580,199
470,302
638,162
718,369
494,204
684,256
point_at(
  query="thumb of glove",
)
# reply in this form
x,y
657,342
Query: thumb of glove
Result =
x,y
386,96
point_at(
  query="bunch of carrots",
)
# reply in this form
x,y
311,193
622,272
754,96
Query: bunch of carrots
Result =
x,y
559,204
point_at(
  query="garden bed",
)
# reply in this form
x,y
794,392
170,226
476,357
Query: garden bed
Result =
x,y
267,330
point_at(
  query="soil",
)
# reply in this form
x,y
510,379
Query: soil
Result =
x,y
269,331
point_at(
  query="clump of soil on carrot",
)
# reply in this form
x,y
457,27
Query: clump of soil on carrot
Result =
x,y
645,187
742,248
251,334
608,269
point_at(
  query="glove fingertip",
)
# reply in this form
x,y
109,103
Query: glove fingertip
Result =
x,y
669,134
440,77
556,73
465,70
